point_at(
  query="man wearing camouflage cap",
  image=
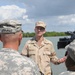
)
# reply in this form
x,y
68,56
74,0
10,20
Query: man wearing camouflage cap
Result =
x,y
41,50
70,61
11,62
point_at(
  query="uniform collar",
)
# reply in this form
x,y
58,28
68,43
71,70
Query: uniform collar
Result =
x,y
45,41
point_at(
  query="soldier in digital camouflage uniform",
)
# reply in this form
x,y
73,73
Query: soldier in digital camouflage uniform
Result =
x,y
41,50
70,61
11,62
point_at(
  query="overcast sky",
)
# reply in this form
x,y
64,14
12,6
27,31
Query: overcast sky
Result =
x,y
59,15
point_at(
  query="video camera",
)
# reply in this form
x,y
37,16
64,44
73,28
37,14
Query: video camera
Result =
x,y
65,41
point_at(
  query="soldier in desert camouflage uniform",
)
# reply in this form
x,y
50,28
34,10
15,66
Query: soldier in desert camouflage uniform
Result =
x,y
11,62
41,50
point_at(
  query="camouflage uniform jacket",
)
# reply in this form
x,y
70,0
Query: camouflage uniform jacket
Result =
x,y
68,73
12,63
42,55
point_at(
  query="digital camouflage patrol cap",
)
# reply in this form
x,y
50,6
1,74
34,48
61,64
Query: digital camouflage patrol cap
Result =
x,y
41,24
10,26
71,49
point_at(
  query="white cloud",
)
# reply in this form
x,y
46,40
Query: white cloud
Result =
x,y
12,12
67,19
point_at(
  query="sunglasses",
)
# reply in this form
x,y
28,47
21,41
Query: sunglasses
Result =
x,y
40,28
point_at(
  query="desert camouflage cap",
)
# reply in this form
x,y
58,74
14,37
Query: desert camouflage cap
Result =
x,y
10,26
41,24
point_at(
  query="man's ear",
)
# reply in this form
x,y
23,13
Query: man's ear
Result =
x,y
20,36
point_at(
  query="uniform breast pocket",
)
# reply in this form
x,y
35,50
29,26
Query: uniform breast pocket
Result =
x,y
47,51
32,53
47,55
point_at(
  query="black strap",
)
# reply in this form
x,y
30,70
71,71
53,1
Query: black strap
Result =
x,y
41,73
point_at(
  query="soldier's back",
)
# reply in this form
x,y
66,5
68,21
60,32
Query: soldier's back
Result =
x,y
12,63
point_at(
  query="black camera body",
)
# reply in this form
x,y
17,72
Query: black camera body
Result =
x,y
65,41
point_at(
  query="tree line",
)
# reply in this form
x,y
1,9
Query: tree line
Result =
x,y
47,34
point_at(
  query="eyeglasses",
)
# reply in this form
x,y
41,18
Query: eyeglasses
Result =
x,y
40,28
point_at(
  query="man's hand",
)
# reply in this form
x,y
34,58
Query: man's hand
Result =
x,y
61,60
